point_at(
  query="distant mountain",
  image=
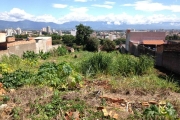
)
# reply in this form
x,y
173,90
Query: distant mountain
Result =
x,y
96,25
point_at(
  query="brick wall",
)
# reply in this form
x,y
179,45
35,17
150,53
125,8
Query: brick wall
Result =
x,y
171,61
172,47
140,36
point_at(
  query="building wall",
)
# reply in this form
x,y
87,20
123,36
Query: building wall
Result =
x,y
43,44
138,37
171,61
19,49
2,37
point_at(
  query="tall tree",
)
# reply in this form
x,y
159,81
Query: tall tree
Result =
x,y
83,34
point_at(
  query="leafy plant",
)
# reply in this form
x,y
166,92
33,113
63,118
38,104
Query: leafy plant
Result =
x,y
165,112
43,55
61,51
15,79
4,68
30,55
59,75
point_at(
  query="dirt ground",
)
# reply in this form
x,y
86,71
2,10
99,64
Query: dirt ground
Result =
x,y
117,104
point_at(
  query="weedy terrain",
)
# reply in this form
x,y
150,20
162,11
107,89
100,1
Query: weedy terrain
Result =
x,y
85,86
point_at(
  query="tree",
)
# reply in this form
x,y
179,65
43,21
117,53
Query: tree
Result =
x,y
109,45
120,41
92,44
83,34
68,39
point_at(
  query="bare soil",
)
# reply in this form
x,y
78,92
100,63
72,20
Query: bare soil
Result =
x,y
122,103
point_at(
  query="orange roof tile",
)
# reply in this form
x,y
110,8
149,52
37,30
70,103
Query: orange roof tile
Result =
x,y
153,42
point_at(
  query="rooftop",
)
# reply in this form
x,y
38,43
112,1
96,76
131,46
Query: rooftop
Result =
x,y
152,42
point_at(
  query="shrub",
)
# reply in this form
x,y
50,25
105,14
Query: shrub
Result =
x,y
11,61
109,45
97,63
43,55
30,55
92,44
58,75
56,42
61,51
127,65
15,79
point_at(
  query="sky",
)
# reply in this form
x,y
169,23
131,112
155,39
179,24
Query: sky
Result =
x,y
111,11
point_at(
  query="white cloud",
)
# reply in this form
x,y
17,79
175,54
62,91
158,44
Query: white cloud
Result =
x,y
15,14
102,6
80,0
59,5
109,2
81,14
148,5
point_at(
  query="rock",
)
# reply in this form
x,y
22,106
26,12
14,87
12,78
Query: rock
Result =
x,y
153,102
12,90
3,106
145,104
105,112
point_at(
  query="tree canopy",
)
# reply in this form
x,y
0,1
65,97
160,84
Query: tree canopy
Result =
x,y
109,45
68,39
92,44
83,34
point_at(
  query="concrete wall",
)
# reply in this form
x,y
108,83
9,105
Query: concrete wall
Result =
x,y
17,47
43,44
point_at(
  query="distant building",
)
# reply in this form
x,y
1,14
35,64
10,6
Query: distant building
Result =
x,y
44,29
9,32
48,29
73,32
19,31
60,32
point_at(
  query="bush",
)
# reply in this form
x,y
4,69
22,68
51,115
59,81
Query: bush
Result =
x,y
56,42
129,65
92,44
43,55
61,51
30,55
58,76
15,79
108,45
97,63
11,61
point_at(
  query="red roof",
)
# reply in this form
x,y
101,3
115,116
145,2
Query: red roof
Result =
x,y
153,42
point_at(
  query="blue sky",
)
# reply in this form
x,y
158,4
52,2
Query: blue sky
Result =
x,y
111,11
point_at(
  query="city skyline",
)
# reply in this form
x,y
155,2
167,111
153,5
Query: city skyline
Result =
x,y
111,11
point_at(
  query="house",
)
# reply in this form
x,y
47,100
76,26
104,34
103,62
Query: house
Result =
x,y
148,39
